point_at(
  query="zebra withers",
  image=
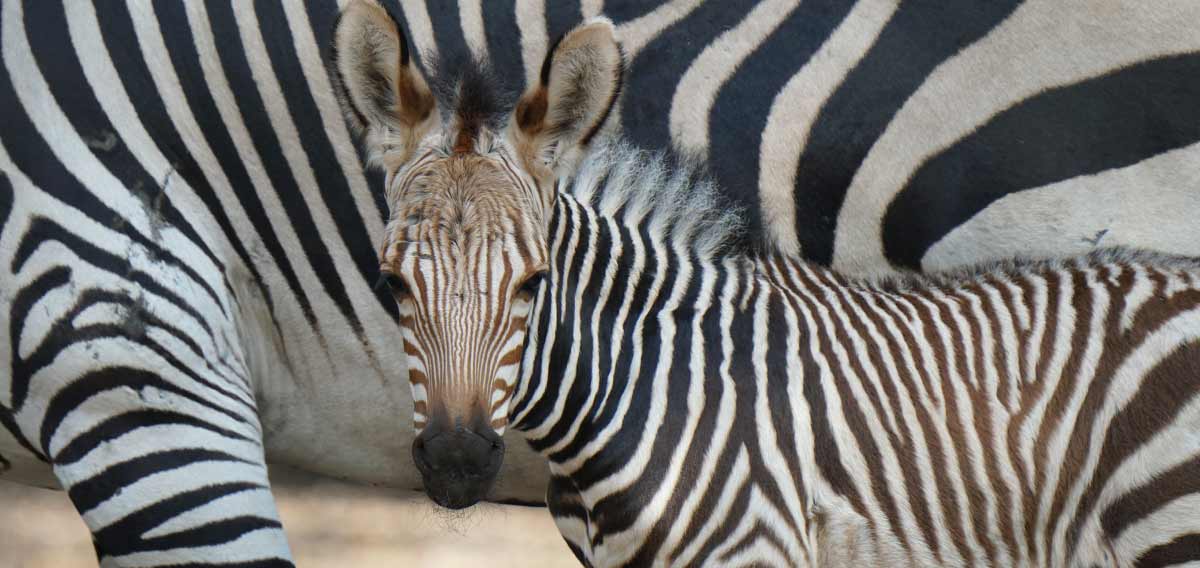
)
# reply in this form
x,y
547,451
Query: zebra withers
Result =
x,y
701,404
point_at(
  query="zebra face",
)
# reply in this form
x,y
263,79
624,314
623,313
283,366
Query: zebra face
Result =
x,y
463,258
469,183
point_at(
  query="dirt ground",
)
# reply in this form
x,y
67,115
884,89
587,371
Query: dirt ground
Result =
x,y
328,524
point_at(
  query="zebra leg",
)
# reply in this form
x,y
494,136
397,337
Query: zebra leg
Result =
x,y
163,471
129,378
570,516
159,483
160,450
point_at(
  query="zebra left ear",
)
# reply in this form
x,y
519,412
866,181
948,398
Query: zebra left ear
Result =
x,y
382,94
556,120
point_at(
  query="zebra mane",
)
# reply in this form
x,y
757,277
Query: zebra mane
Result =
x,y
668,193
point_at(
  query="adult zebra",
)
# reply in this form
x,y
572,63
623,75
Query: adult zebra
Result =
x,y
877,135
184,229
707,406
204,143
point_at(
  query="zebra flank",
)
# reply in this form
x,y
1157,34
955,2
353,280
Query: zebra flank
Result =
x,y
701,402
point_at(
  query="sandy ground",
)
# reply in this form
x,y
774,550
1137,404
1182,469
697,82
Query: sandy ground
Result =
x,y
328,524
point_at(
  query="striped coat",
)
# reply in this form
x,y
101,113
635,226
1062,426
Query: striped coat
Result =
x,y
179,197
701,406
704,404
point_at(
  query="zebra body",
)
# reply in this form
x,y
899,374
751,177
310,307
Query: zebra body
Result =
x,y
877,136
701,404
704,409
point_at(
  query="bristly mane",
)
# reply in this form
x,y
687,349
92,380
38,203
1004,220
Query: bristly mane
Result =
x,y
669,193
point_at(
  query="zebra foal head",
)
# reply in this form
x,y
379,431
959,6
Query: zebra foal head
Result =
x,y
470,183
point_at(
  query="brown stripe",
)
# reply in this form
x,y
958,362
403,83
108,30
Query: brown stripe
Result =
x,y
851,413
1179,481
1081,302
904,445
506,389
1169,387
1097,386
513,356
950,513
975,494
1031,392
418,378
928,321
1153,314
1004,310
985,421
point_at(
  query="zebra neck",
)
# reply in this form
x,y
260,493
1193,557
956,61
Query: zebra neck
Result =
x,y
630,314
605,279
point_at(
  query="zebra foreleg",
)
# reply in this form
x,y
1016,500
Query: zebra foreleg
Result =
x,y
128,377
162,483
158,446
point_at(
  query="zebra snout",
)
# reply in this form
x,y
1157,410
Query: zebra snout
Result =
x,y
458,465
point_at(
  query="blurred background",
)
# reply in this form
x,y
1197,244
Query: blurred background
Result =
x,y
328,524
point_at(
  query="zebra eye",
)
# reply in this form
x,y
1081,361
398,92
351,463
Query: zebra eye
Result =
x,y
392,282
530,285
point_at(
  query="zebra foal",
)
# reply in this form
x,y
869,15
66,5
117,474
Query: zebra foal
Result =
x,y
701,404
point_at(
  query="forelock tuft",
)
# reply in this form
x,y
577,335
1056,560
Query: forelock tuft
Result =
x,y
670,194
470,91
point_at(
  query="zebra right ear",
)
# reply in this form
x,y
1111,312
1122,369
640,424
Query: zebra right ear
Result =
x,y
382,94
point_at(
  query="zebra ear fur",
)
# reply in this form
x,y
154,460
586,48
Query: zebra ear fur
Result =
x,y
382,94
557,118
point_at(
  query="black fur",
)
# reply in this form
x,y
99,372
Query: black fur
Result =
x,y
469,88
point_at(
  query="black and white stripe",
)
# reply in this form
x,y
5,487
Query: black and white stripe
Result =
x,y
879,135
704,406
700,404
185,292
180,196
